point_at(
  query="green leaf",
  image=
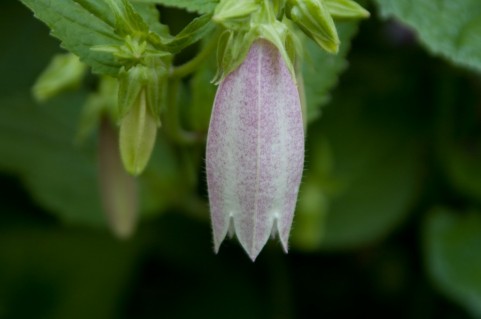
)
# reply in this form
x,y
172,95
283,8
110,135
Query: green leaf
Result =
x,y
199,6
458,137
151,15
373,180
449,28
80,25
321,70
37,144
452,244
365,163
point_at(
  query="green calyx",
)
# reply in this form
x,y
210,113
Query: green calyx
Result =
x,y
257,19
246,21
145,62
234,13
141,96
151,79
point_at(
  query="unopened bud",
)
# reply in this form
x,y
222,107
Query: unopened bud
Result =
x,y
345,9
138,131
118,189
64,72
314,19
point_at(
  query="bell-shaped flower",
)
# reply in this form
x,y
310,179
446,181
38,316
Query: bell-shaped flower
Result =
x,y
255,151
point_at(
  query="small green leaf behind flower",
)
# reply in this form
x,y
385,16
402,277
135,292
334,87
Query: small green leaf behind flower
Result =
x,y
448,28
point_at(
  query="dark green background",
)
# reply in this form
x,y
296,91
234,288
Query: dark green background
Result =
x,y
401,133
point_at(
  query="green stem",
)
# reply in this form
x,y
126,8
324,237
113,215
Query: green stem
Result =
x,y
191,66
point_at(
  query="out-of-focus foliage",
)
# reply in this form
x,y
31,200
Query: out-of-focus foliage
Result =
x,y
81,26
399,137
451,243
321,69
446,27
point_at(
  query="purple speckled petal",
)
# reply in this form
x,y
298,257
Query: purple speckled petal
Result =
x,y
255,151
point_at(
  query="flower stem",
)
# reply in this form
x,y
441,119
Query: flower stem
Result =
x,y
192,65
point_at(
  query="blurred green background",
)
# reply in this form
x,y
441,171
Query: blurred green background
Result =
x,y
388,222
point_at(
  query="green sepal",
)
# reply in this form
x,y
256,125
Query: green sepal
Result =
x,y
155,90
278,7
64,72
233,13
233,48
345,9
132,52
138,130
131,83
315,21
278,34
222,48
193,32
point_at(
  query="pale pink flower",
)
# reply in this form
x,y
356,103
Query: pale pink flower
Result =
x,y
255,151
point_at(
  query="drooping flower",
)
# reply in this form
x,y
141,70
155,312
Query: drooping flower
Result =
x,y
255,151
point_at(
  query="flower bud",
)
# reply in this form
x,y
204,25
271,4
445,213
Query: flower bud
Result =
x,y
255,151
314,19
141,95
118,189
138,130
64,72
345,9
